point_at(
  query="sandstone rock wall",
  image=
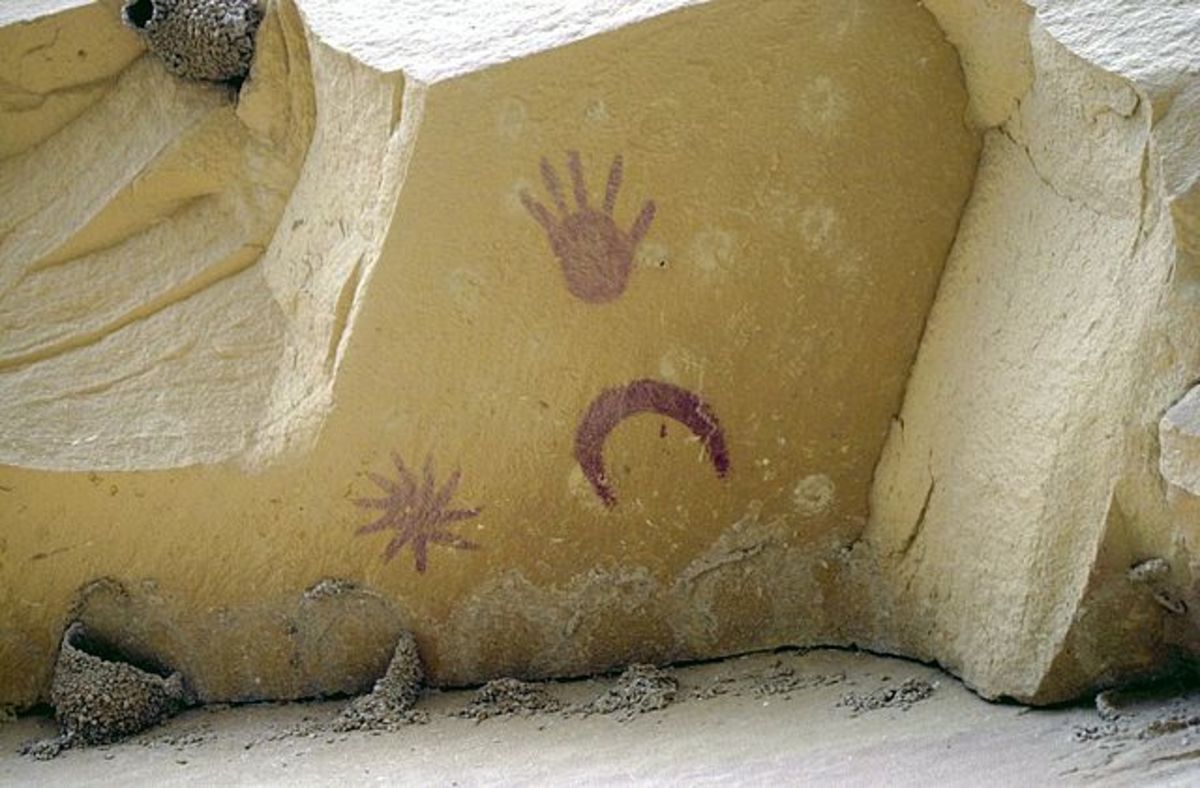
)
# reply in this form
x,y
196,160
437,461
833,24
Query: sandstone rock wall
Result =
x,y
1020,484
595,340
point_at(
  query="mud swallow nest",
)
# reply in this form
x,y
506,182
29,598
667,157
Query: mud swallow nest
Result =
x,y
210,40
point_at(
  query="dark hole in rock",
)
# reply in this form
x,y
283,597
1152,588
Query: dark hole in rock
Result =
x,y
139,12
89,643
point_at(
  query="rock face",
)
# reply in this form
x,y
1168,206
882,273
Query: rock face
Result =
x,y
609,339
1179,441
1021,479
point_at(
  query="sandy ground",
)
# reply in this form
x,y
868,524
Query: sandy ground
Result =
x,y
792,717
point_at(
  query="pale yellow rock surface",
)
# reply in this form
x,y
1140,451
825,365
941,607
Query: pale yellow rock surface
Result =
x,y
175,195
612,309
1179,438
1020,482
410,299
57,58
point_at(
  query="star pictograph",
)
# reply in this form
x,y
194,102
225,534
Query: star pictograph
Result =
x,y
417,511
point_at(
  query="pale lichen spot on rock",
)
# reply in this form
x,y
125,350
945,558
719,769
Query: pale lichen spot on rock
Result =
x,y
852,13
683,365
597,112
813,495
467,287
653,254
510,121
668,368
714,250
822,106
818,224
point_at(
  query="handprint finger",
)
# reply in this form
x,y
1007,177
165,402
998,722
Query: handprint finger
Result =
x,y
615,173
576,167
641,225
550,177
538,211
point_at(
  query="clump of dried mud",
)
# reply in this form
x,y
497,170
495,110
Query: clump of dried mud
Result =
x,y
640,689
507,698
1143,713
389,706
903,696
784,680
331,587
210,40
780,680
99,699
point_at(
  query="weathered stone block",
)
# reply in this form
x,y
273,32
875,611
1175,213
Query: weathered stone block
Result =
x,y
1179,439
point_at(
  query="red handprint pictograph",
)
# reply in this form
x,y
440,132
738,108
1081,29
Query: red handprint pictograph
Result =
x,y
595,254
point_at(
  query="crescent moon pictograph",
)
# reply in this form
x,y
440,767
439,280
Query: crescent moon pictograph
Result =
x,y
614,405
